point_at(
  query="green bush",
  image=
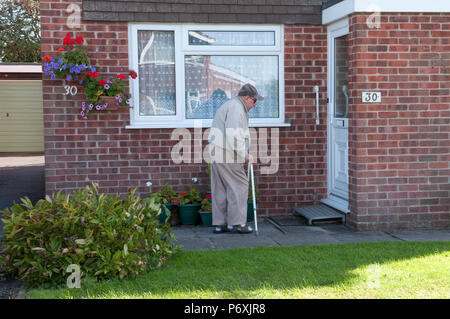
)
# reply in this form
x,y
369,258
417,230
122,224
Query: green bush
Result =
x,y
107,237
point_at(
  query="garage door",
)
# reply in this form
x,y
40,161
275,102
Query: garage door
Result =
x,y
21,116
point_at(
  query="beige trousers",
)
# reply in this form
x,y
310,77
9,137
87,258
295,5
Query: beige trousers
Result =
x,y
229,188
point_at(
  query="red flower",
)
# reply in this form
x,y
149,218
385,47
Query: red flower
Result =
x,y
121,76
79,39
208,196
67,40
93,74
46,58
133,74
60,49
182,194
102,82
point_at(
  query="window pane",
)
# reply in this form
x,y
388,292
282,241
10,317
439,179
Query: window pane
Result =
x,y
232,38
340,77
212,80
156,52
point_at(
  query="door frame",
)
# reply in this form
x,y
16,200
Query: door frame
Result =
x,y
334,30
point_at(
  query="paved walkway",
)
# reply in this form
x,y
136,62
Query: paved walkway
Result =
x,y
20,175
200,237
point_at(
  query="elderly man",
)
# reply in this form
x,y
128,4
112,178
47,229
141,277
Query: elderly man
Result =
x,y
229,144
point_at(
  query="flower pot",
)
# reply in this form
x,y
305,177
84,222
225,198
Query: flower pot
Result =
x,y
112,102
189,214
250,213
206,218
162,217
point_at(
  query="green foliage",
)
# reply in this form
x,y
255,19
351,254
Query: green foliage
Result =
x,y
206,205
191,196
20,39
167,193
106,236
94,90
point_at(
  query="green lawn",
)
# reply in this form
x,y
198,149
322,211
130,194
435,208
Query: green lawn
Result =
x,y
368,270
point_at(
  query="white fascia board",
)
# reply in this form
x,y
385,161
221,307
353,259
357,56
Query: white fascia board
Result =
x,y
338,11
347,7
20,68
403,5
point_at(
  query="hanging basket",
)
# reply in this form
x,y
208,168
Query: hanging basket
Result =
x,y
113,103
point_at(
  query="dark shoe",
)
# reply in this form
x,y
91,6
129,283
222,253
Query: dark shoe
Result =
x,y
242,229
221,229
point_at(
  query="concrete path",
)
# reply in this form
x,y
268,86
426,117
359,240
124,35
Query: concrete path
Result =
x,y
200,237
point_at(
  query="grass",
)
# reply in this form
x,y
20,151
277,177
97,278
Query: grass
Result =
x,y
363,270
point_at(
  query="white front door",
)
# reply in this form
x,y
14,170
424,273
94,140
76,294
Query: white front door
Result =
x,y
338,116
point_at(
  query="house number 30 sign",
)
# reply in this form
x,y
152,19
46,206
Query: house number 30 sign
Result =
x,y
72,90
371,97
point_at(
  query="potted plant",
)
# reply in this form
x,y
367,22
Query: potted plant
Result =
x,y
168,195
206,210
164,197
189,204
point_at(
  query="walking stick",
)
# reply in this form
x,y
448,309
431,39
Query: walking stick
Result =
x,y
250,172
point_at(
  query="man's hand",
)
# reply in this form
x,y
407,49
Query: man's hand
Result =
x,y
249,159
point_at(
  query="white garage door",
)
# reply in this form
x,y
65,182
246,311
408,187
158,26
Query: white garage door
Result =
x,y
21,116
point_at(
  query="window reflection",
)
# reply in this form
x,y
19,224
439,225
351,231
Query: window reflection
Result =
x,y
210,80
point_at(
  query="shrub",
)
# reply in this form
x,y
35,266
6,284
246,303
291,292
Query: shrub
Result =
x,y
105,236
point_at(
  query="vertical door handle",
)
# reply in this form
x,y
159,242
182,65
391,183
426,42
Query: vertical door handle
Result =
x,y
316,89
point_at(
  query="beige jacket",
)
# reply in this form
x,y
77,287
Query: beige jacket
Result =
x,y
229,132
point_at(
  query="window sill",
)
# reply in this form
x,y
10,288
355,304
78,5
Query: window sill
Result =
x,y
189,125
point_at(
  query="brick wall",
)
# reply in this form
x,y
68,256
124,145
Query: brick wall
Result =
x,y
399,148
100,149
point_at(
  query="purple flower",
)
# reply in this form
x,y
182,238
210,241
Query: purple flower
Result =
x,y
120,100
117,97
106,86
68,77
128,101
91,106
82,113
98,107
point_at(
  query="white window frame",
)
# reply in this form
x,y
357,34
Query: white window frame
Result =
x,y
183,48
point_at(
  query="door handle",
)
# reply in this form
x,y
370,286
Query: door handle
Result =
x,y
316,89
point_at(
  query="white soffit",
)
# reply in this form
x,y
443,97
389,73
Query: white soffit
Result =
x,y
346,7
